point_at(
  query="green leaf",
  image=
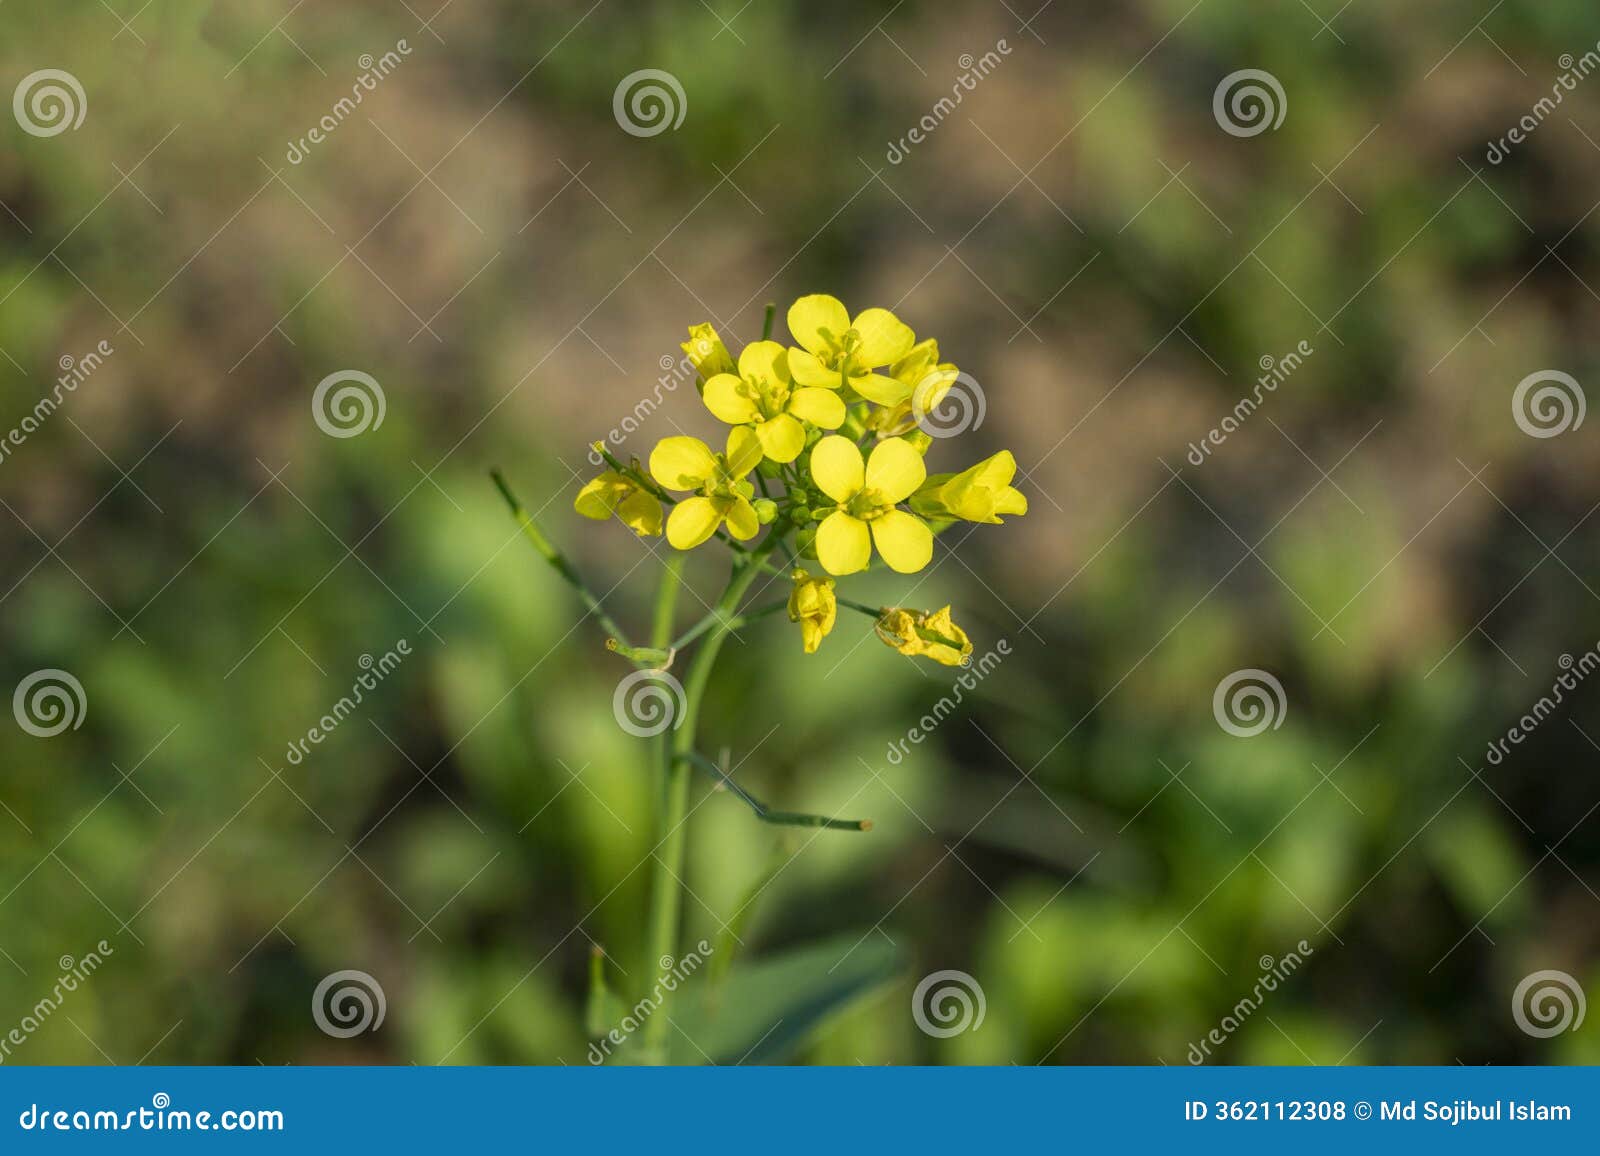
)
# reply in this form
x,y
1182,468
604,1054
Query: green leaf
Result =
x,y
767,1007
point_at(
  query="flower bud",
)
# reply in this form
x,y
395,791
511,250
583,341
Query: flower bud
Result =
x,y
766,510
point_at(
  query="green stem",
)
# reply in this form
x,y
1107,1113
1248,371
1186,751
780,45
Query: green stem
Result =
x,y
766,323
660,633
765,813
558,561
666,889
862,607
745,619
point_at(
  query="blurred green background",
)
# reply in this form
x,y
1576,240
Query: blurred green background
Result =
x,y
1081,837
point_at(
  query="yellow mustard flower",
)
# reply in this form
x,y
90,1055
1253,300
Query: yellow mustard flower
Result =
x,y
614,493
837,351
706,352
917,633
685,463
813,606
763,396
924,382
979,494
867,493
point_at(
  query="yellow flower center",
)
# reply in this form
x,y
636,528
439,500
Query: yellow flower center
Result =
x,y
868,505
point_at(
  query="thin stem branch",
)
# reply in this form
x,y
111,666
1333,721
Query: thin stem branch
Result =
x,y
765,813
558,561
744,619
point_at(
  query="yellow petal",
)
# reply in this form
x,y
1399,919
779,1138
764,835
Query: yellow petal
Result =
x,y
599,497
904,541
706,352
818,321
837,469
1011,501
808,370
782,438
641,512
742,520
881,389
764,361
691,522
884,338
820,407
895,470
843,543
729,399
681,463
744,450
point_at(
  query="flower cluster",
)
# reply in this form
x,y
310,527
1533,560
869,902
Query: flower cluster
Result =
x,y
823,445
